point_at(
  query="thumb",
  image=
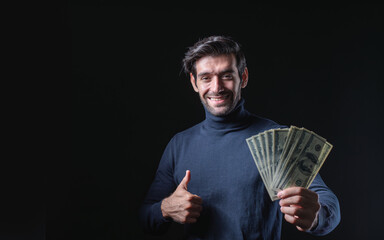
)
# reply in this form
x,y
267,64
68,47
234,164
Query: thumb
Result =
x,y
185,181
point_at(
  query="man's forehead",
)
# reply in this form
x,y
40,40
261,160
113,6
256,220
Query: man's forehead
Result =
x,y
216,63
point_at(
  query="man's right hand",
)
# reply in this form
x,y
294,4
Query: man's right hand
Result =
x,y
182,206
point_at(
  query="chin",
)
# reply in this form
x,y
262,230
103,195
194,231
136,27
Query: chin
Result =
x,y
219,112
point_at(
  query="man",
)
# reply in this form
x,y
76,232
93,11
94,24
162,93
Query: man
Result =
x,y
207,179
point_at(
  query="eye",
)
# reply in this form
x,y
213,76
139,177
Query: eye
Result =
x,y
227,76
205,78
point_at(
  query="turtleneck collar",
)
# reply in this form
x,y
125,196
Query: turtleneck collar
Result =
x,y
236,119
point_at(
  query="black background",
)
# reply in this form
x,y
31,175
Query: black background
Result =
x,y
117,95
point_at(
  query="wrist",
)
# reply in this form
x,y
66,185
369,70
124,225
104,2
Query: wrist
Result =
x,y
163,208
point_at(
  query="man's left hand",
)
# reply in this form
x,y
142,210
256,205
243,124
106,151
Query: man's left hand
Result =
x,y
300,207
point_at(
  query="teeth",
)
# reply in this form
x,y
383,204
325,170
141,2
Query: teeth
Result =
x,y
217,98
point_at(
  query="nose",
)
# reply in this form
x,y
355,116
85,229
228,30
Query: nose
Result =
x,y
217,85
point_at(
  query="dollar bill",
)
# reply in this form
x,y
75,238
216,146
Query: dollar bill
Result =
x,y
323,155
288,157
303,162
279,139
296,141
258,162
268,143
293,132
258,141
290,163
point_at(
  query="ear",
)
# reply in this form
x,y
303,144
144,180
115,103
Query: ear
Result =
x,y
244,78
193,82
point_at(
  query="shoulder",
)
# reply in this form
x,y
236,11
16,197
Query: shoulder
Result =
x,y
186,134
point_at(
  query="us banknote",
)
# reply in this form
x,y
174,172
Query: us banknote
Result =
x,y
288,157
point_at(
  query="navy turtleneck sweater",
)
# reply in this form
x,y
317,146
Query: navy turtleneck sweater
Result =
x,y
236,204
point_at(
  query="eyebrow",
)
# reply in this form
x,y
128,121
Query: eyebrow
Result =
x,y
229,70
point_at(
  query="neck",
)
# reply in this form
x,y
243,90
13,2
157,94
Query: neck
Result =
x,y
237,118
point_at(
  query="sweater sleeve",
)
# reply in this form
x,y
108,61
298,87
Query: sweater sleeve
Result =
x,y
329,214
150,216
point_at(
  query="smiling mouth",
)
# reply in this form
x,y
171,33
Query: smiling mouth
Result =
x,y
218,98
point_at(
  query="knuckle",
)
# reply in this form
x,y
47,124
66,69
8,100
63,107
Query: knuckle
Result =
x,y
289,218
189,197
296,211
299,199
300,190
282,209
188,205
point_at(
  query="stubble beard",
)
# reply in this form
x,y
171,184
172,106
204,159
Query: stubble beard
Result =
x,y
225,108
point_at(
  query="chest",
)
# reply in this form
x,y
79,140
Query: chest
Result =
x,y
219,166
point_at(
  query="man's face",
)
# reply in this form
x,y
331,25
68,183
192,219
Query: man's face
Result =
x,y
218,83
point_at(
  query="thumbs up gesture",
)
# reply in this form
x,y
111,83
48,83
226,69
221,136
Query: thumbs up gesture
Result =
x,y
182,206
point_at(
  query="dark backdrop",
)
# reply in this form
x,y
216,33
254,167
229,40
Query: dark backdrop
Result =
x,y
320,67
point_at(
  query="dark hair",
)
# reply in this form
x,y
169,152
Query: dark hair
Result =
x,y
213,46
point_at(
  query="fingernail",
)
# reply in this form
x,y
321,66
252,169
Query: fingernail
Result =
x,y
279,195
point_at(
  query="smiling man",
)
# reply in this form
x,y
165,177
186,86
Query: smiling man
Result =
x,y
219,83
206,178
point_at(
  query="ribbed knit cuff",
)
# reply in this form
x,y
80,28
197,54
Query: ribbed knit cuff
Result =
x,y
156,209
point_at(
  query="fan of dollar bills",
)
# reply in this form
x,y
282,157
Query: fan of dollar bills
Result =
x,y
288,157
